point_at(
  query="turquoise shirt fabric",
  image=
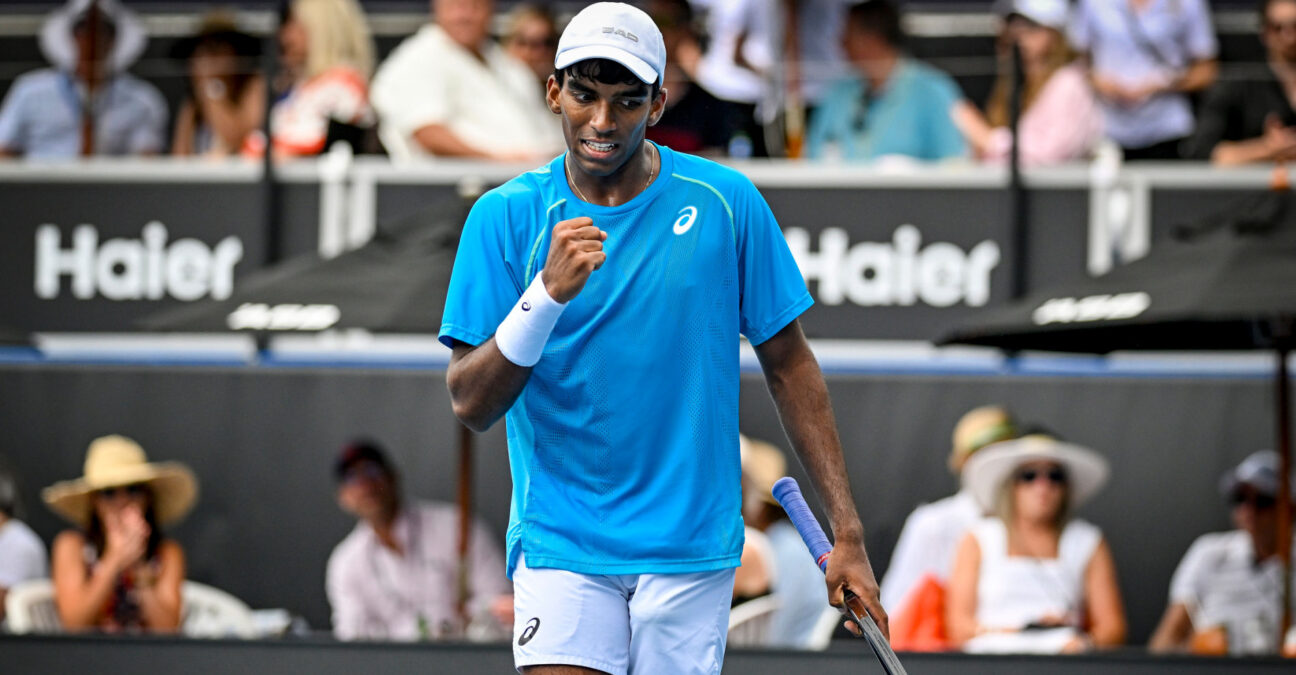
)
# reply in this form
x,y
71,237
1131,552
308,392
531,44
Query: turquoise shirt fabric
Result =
x,y
623,445
910,117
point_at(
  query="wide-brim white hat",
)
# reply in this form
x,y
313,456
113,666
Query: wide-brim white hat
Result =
x,y
59,46
117,461
986,471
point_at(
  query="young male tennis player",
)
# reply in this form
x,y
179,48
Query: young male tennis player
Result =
x,y
598,301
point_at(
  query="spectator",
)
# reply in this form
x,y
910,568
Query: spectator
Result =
x,y
893,105
1032,579
1145,57
449,91
396,576
1225,595
22,553
226,97
694,120
1251,119
738,61
45,111
797,582
531,37
118,572
1060,119
326,49
924,554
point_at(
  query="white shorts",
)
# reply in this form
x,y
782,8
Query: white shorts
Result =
x,y
621,623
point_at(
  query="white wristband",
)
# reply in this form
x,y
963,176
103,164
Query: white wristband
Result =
x,y
522,334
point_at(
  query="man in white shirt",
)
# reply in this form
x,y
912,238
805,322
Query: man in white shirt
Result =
x,y
22,553
396,576
450,91
1225,594
931,533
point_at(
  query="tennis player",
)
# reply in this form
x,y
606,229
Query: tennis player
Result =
x,y
597,302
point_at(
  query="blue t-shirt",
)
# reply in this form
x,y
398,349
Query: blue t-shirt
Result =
x,y
624,443
909,118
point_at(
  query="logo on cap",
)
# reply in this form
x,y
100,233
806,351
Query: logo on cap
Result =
x,y
623,33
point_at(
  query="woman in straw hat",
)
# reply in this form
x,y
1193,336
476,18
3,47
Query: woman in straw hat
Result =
x,y
118,572
1032,579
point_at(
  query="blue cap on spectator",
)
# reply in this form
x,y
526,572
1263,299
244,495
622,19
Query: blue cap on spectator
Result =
x,y
617,32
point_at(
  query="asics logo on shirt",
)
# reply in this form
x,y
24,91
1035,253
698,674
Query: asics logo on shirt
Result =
x,y
685,220
529,632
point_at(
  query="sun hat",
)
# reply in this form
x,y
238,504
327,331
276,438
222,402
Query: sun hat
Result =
x,y
763,464
987,470
978,428
59,45
618,32
1259,470
117,461
1048,13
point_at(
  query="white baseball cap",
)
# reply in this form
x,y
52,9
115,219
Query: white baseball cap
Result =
x,y
618,32
1048,13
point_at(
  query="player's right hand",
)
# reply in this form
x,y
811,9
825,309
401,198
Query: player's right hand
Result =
x,y
575,251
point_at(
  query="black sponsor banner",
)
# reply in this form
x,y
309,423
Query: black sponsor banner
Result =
x,y
96,256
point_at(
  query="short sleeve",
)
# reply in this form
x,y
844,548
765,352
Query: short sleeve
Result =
x,y
1200,39
773,290
149,134
483,287
947,141
1186,581
1079,31
12,118
408,92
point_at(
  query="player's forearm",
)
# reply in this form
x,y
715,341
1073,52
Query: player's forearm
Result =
x,y
483,384
801,396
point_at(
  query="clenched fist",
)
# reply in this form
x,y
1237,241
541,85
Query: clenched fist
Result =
x,y
575,251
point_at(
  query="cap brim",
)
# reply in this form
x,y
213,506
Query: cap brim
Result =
x,y
638,66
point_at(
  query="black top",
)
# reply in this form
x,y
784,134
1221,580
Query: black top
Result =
x,y
1235,110
698,122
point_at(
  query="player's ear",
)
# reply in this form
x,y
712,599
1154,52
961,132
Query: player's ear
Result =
x,y
658,107
552,90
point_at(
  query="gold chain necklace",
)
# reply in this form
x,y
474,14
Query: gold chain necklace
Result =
x,y
571,180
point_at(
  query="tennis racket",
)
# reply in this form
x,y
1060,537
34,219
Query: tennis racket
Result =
x,y
788,494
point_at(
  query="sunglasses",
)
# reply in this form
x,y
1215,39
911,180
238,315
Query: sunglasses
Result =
x,y
1054,476
136,490
1256,501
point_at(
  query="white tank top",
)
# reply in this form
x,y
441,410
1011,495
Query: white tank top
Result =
x,y
1014,591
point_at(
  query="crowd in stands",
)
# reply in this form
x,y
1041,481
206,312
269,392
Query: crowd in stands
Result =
x,y
1001,566
832,80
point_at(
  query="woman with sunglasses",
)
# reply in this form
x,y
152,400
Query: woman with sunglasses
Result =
x,y
1031,578
117,572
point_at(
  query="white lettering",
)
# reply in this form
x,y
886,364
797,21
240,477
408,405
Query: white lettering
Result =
x,y
1092,308
260,316
901,272
134,269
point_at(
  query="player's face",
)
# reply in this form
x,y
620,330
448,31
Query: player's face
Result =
x,y
604,124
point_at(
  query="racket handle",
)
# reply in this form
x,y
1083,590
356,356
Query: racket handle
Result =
x,y
789,496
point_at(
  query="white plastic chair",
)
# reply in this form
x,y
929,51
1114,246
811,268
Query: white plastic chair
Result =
x,y
749,622
824,629
29,608
209,612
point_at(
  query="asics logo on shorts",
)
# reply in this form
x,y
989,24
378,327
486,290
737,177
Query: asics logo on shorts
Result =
x,y
529,632
685,220
526,306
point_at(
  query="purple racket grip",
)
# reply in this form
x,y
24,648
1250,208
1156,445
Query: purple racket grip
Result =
x,y
788,494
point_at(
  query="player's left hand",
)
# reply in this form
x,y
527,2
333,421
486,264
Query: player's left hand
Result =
x,y
849,568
